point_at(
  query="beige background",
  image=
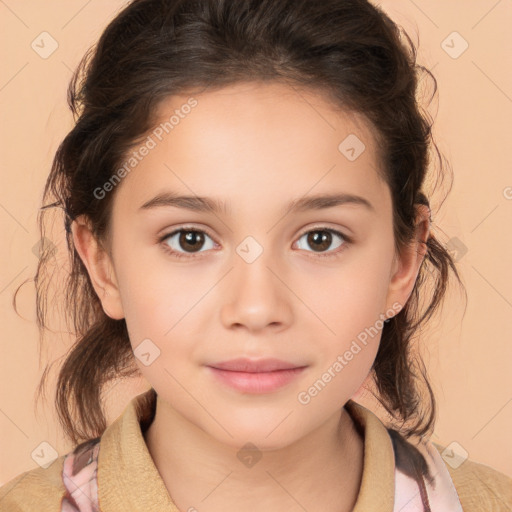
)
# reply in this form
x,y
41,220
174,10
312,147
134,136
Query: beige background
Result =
x,y
469,358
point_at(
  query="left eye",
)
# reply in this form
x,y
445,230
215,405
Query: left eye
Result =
x,y
321,239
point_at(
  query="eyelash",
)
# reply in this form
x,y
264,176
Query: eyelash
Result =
x,y
186,229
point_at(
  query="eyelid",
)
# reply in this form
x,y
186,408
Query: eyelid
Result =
x,y
186,227
348,240
325,227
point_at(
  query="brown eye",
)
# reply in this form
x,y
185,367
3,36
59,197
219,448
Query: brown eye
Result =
x,y
320,240
183,241
190,240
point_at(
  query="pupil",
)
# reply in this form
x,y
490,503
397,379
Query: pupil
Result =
x,y
322,242
191,238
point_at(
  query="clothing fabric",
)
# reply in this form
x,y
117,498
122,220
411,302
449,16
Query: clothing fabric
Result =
x,y
115,472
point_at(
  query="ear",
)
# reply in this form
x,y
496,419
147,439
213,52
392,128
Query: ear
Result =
x,y
99,267
407,264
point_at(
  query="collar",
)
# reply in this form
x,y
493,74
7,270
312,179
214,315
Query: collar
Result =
x,y
129,479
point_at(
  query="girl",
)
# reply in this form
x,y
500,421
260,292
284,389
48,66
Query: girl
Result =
x,y
245,211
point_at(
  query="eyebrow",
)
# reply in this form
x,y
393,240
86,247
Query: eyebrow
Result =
x,y
212,205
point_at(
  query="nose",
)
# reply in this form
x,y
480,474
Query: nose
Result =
x,y
255,295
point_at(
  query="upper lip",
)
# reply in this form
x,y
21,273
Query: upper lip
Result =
x,y
243,364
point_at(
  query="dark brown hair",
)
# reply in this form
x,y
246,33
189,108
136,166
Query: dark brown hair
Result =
x,y
349,51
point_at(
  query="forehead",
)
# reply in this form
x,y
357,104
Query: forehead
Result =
x,y
254,142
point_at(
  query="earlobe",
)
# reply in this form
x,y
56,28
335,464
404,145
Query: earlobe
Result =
x,y
99,267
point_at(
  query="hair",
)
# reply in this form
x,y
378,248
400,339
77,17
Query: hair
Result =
x,y
348,51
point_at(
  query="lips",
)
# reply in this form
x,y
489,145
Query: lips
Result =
x,y
247,365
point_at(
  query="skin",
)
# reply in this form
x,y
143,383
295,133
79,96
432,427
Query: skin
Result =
x,y
257,146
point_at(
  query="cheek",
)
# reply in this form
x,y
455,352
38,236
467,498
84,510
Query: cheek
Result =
x,y
349,308
349,300
344,359
155,292
341,370
163,309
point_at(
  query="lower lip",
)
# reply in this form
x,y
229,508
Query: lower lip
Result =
x,y
264,382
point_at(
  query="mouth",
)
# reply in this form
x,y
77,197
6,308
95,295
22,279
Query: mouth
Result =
x,y
246,365
256,377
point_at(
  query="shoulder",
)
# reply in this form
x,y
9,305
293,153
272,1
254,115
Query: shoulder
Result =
x,y
480,487
34,490
69,483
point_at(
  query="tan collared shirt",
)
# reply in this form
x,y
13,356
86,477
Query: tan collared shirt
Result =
x,y
128,479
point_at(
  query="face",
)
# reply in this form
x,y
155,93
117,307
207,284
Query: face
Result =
x,y
256,278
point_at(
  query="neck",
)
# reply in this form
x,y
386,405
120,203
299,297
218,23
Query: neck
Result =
x,y
321,470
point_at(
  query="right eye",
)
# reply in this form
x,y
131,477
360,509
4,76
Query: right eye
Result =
x,y
190,239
